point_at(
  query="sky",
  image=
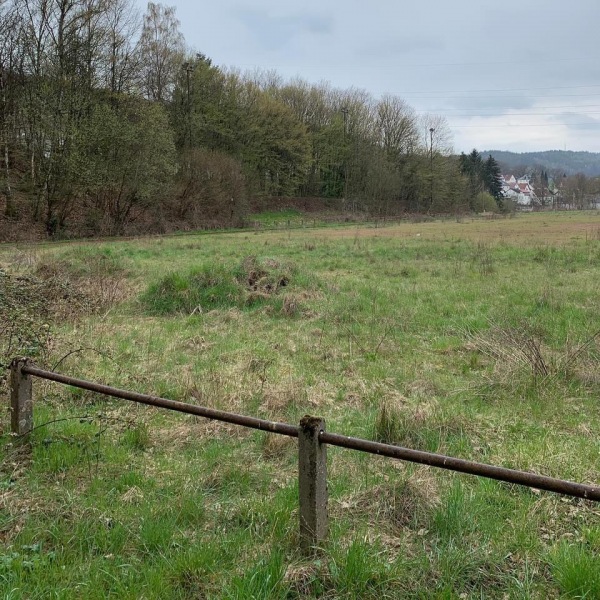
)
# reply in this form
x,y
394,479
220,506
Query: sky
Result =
x,y
520,75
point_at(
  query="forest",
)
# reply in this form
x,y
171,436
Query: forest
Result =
x,y
111,124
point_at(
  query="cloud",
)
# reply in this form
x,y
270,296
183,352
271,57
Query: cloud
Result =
x,y
275,32
459,59
579,122
395,47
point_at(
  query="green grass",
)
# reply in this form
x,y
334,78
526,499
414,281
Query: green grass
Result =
x,y
414,340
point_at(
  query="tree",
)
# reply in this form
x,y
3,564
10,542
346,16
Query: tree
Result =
x,y
492,179
10,57
60,40
130,159
483,176
277,147
440,139
162,50
396,127
576,190
204,112
120,58
211,188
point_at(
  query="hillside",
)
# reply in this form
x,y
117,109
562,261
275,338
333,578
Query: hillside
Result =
x,y
570,162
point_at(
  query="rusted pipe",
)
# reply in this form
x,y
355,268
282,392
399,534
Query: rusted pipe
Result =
x,y
550,484
541,482
199,411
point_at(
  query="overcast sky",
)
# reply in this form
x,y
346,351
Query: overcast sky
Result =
x,y
517,75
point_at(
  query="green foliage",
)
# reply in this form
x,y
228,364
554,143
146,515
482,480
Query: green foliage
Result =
x,y
198,290
355,572
277,149
484,177
452,519
251,283
137,437
264,580
576,570
131,157
485,202
492,178
273,218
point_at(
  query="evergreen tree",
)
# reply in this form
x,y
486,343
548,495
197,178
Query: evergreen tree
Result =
x,y
492,178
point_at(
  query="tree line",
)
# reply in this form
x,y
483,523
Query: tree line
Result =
x,y
108,119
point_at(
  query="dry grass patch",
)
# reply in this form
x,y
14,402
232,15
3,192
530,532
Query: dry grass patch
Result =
x,y
521,351
195,432
278,399
523,230
393,506
277,447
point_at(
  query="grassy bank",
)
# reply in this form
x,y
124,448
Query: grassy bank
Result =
x,y
473,339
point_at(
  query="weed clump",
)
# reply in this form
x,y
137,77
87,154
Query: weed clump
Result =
x,y
93,282
421,427
389,424
196,291
28,306
55,291
575,569
520,354
409,503
255,281
260,279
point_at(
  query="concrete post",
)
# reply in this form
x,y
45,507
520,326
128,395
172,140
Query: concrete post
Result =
x,y
21,398
312,483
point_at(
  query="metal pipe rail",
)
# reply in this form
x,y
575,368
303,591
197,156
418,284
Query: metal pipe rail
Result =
x,y
192,409
542,482
532,480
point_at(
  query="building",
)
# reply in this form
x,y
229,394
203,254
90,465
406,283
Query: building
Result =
x,y
520,190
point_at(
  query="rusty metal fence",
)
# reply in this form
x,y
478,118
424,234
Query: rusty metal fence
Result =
x,y
313,440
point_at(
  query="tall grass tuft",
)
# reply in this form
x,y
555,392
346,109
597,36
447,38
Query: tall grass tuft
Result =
x,y
198,290
389,424
576,570
252,282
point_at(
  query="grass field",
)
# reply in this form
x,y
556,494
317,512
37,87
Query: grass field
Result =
x,y
477,339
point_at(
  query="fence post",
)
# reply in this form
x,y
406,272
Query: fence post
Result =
x,y
312,466
21,398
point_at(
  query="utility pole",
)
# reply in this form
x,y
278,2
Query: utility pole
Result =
x,y
188,67
431,131
344,111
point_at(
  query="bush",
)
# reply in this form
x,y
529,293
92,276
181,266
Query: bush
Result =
x,y
199,290
212,189
485,202
253,282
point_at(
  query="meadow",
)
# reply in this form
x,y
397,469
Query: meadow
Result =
x,y
473,338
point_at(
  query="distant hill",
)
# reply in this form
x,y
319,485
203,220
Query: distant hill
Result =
x,y
552,161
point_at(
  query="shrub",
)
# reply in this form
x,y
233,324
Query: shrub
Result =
x,y
199,290
485,202
253,282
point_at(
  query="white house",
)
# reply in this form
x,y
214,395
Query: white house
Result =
x,y
520,190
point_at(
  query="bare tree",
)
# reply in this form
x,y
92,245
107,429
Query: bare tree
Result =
x,y
397,126
10,59
438,141
162,51
122,23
